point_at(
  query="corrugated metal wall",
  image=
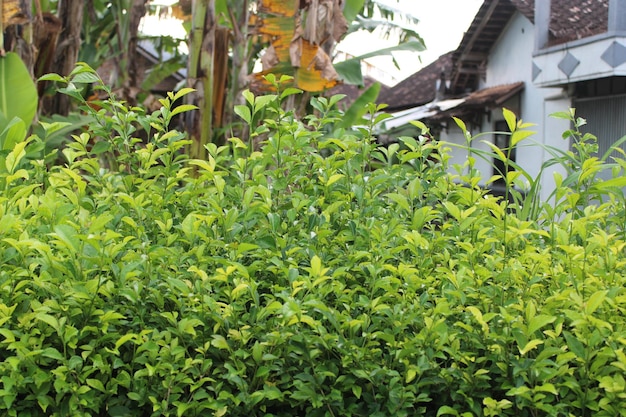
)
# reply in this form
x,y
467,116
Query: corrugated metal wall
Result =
x,y
606,119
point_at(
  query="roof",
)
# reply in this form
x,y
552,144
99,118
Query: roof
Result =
x,y
490,97
570,19
425,111
419,88
493,96
470,58
473,103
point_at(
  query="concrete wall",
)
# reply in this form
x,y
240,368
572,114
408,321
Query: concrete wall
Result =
x,y
510,61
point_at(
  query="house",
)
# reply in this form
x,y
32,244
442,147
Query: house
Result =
x,y
418,89
534,58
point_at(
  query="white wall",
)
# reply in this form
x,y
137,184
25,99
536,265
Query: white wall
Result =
x,y
511,61
456,142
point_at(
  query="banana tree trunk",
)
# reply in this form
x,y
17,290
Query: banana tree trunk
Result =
x,y
137,12
239,17
199,124
71,15
16,24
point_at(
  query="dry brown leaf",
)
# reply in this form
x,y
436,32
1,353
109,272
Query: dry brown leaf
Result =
x,y
14,12
269,58
316,71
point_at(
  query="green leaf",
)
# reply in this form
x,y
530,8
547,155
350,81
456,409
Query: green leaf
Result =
x,y
14,132
96,384
548,387
52,77
595,301
575,345
125,338
85,78
537,322
350,71
316,266
181,93
333,179
453,210
358,109
18,95
400,200
352,8
183,108
261,102
14,157
501,156
413,45
520,135
617,182
290,91
446,410
100,147
511,119
66,234
411,374
530,346
243,111
50,320
561,115
220,342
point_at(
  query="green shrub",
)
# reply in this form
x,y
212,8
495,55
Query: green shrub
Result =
x,y
317,275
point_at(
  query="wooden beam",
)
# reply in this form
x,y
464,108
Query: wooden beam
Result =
x,y
465,70
473,56
483,22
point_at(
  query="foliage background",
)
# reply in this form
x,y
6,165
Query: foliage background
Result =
x,y
315,275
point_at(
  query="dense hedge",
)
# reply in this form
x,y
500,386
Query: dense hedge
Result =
x,y
317,276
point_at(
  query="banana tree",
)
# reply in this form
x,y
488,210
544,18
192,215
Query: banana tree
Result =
x,y
219,56
200,70
304,34
16,84
18,95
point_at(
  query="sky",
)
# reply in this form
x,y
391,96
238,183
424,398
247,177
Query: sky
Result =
x,y
442,24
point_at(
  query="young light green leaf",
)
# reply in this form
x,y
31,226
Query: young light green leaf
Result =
x,y
537,322
243,111
529,346
183,108
220,342
511,119
595,301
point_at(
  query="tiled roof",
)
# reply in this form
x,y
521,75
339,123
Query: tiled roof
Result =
x,y
490,97
493,96
419,88
470,58
571,19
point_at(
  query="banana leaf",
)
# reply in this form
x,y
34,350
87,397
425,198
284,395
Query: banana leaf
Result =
x,y
18,95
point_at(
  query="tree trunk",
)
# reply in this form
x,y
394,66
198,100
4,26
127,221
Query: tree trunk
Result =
x,y
199,123
240,18
137,12
16,29
71,15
